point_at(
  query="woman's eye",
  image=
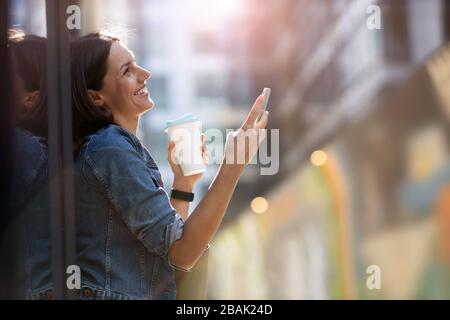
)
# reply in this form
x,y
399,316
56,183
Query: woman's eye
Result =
x,y
127,72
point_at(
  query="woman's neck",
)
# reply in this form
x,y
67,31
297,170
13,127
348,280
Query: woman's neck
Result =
x,y
130,123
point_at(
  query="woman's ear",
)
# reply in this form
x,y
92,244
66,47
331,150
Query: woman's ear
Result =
x,y
31,99
96,98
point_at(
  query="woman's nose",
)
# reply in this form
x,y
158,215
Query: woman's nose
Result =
x,y
144,74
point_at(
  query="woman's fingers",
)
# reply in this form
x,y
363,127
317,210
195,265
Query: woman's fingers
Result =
x,y
254,112
203,145
204,149
203,140
170,147
262,123
205,158
170,153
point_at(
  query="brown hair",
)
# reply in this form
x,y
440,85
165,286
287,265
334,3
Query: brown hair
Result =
x,y
28,54
89,55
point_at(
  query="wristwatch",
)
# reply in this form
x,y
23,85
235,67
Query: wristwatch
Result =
x,y
181,195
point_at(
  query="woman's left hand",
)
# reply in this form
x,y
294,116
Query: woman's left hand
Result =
x,y
181,182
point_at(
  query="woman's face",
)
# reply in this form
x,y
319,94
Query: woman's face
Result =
x,y
124,86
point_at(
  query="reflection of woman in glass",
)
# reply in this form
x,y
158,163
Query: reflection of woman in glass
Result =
x,y
26,242
130,237
28,56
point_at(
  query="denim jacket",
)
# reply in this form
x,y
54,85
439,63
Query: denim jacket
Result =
x,y
25,246
125,221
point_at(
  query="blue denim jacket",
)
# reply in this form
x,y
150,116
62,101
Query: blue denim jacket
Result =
x,y
125,222
25,247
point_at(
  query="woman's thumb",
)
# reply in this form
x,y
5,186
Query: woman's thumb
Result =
x,y
262,123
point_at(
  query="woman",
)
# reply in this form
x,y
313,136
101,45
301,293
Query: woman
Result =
x,y
29,78
130,236
25,246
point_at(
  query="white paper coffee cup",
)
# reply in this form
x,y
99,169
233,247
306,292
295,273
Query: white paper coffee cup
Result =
x,y
186,133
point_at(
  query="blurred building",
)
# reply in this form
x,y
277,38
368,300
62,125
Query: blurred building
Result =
x,y
366,98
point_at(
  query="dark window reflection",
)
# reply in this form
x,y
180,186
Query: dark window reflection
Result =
x,y
25,246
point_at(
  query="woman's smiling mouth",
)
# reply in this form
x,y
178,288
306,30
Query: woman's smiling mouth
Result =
x,y
141,92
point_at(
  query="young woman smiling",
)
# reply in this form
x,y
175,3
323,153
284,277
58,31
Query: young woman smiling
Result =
x,y
130,235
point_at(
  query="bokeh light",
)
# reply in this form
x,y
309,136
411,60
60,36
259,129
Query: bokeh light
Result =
x,y
318,158
259,205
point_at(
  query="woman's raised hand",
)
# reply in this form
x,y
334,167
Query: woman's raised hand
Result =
x,y
242,144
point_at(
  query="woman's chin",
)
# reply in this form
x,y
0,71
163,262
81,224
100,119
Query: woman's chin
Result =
x,y
151,104
148,106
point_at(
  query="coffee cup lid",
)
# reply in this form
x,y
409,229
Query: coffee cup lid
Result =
x,y
186,118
